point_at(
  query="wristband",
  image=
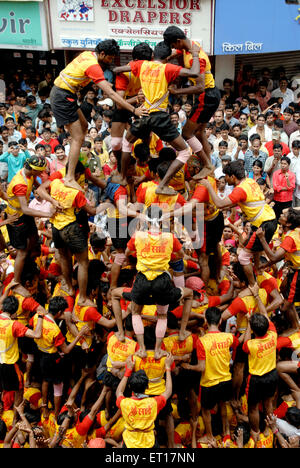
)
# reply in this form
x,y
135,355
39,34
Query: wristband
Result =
x,y
128,372
276,430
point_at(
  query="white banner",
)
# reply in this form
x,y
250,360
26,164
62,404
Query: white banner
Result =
x,y
130,22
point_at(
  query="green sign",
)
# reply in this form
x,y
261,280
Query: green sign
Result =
x,y
20,24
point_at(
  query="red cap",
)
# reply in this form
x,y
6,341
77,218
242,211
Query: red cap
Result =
x,y
97,443
195,283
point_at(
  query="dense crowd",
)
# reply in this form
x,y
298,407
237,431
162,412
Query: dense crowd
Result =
x,y
150,254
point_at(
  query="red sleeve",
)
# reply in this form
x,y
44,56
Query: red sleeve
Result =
x,y
178,312
245,347
119,399
136,67
45,250
148,175
92,315
131,244
121,82
214,301
141,193
54,269
159,145
202,63
201,194
234,346
120,193
109,336
95,72
269,285
161,402
200,351
288,244
283,342
18,329
59,340
272,327
79,200
224,287
20,190
177,246
106,169
30,304
237,306
172,72
226,258
43,274
87,173
280,412
55,175
195,340
180,200
237,195
84,426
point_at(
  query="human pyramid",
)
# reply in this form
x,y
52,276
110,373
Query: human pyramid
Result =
x,y
161,313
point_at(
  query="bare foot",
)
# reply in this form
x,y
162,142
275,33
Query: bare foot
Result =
x,y
183,335
120,336
71,183
85,302
159,353
165,191
206,171
142,353
67,289
19,289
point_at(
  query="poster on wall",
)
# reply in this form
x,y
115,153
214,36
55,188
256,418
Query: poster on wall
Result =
x,y
131,22
75,10
23,26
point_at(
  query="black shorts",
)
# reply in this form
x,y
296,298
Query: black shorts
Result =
x,y
51,367
253,243
158,122
213,231
292,290
85,358
11,378
207,104
64,106
122,115
240,355
71,237
118,231
261,387
27,345
159,291
22,230
185,381
167,409
210,396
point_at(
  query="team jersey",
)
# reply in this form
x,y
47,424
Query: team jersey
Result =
x,y
116,431
51,337
205,66
241,306
139,416
291,245
201,194
10,331
80,72
19,186
179,348
27,305
119,351
146,195
251,200
86,315
153,251
214,349
262,352
70,199
129,83
211,301
155,371
155,78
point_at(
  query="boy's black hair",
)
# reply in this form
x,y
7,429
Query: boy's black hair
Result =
x,y
57,304
162,51
142,152
138,381
10,305
259,324
213,315
142,51
172,33
109,47
293,416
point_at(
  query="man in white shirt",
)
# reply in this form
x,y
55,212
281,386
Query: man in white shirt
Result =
x,y
32,139
284,92
295,136
232,143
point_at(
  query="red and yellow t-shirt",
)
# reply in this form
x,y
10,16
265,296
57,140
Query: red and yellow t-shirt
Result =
x,y
139,416
262,352
214,349
80,72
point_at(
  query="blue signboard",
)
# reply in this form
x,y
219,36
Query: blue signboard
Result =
x,y
256,26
